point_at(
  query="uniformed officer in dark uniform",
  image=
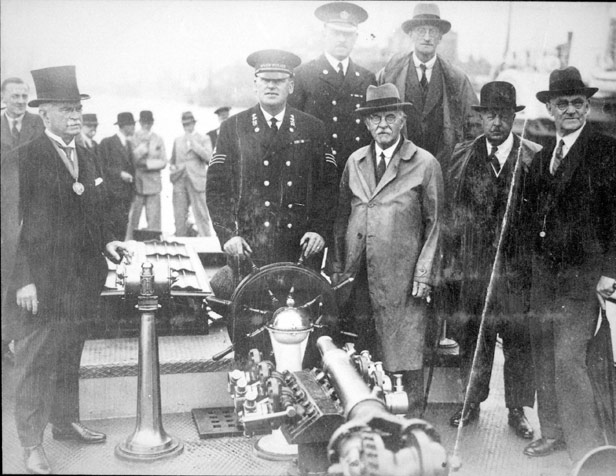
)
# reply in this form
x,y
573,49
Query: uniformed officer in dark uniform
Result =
x,y
331,87
272,182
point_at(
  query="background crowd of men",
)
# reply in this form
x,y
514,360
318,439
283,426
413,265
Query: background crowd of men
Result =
x,y
362,175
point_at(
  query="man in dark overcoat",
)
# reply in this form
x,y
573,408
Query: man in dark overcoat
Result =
x,y
481,179
222,113
60,268
572,225
332,86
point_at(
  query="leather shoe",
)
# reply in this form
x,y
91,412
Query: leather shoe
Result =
x,y
36,460
544,447
76,431
472,414
517,420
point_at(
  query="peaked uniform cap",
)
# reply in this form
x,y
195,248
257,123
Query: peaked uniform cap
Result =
x,y
222,109
565,82
89,119
498,95
125,119
273,64
341,15
426,14
383,98
56,84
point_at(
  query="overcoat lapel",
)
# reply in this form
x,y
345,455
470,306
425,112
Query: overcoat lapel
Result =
x,y
435,89
327,73
366,168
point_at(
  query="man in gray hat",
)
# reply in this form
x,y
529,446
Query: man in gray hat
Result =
x,y
481,177
441,93
88,131
222,113
60,268
188,171
386,236
333,86
572,225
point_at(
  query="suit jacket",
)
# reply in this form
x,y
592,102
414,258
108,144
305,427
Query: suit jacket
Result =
x,y
213,135
149,158
318,92
272,191
456,100
31,127
115,158
396,225
191,155
62,237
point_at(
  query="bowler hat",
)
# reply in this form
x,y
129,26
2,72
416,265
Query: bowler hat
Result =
x,y
565,82
146,116
56,84
383,98
89,119
125,119
498,95
341,15
188,118
222,109
426,14
273,64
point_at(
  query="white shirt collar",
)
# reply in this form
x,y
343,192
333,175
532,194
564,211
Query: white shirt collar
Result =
x,y
429,64
569,140
504,149
122,137
59,140
389,152
268,117
334,62
17,119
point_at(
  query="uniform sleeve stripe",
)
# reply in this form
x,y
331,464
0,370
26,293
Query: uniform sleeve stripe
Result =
x,y
330,159
218,159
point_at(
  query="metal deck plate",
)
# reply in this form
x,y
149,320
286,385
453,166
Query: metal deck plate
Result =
x,y
216,422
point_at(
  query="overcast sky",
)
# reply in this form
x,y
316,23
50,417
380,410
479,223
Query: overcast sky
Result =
x,y
179,39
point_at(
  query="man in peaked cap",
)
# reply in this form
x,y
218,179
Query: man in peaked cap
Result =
x,y
60,268
188,171
272,182
88,131
572,223
441,93
332,86
386,237
222,113
481,176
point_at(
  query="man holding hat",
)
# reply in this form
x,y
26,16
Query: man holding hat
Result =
x,y
332,86
60,268
149,158
481,178
441,94
222,113
116,158
573,228
386,236
188,171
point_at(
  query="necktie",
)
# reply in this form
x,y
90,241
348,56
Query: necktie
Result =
x,y
494,160
340,72
15,131
274,122
380,168
558,157
424,79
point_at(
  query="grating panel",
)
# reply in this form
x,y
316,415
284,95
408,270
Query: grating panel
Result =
x,y
216,422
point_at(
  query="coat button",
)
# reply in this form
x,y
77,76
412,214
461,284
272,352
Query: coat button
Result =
x,y
290,205
266,183
267,203
266,162
335,136
266,224
334,152
289,183
335,119
289,225
357,121
357,139
356,106
288,163
334,102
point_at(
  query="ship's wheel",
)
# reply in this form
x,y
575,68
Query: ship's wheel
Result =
x,y
260,294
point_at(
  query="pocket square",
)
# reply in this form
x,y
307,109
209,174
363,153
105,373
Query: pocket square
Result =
x,y
98,181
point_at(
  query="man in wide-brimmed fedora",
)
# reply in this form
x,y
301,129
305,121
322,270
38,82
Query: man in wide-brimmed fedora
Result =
x,y
441,93
572,227
60,268
332,86
480,178
116,157
386,236
188,172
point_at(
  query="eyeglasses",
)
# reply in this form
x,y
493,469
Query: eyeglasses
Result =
x,y
432,31
564,105
375,119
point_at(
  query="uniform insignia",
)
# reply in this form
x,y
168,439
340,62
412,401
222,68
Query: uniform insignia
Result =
x,y
218,159
300,141
344,15
325,71
329,158
292,122
254,122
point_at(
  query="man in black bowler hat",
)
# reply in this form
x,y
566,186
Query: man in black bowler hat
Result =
x,y
332,86
272,182
60,268
222,113
480,179
572,223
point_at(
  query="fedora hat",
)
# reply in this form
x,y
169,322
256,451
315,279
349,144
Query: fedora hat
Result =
x,y
188,118
565,82
125,119
426,14
89,119
382,98
222,109
341,15
56,84
146,116
497,95
273,64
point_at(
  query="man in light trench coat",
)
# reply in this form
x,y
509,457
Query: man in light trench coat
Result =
x,y
386,236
